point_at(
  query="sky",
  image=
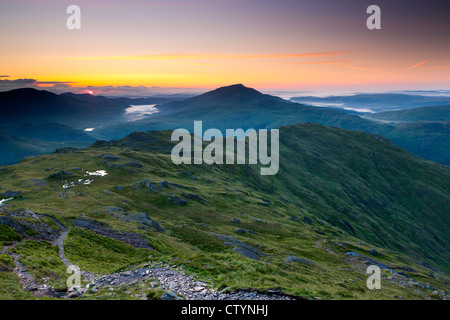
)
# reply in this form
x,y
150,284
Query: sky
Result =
x,y
143,47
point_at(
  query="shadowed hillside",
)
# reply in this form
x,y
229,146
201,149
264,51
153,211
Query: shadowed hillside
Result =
x,y
237,106
341,201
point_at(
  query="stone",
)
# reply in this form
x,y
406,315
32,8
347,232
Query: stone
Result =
x,y
110,157
74,294
11,194
296,259
171,295
176,200
307,220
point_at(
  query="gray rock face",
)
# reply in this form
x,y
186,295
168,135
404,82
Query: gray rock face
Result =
x,y
39,183
147,184
11,194
193,196
140,217
109,157
240,247
307,220
154,186
135,239
61,175
366,259
24,221
299,260
170,295
176,200
131,164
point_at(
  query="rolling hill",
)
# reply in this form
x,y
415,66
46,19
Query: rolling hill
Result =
x,y
18,141
378,102
341,201
433,113
237,106
39,106
34,121
233,106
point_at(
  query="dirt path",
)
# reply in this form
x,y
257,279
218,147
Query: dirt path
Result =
x,y
172,279
26,279
176,283
88,276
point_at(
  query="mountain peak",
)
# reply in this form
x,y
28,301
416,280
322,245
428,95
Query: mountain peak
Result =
x,y
26,92
236,88
236,93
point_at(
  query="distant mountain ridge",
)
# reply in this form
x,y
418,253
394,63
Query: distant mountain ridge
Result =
x,y
432,113
237,106
40,106
231,106
378,102
18,141
45,131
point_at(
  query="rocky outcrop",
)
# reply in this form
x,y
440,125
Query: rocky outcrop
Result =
x,y
135,239
240,247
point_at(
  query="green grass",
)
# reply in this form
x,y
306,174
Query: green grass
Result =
x,y
155,294
10,288
6,262
100,254
8,235
42,261
359,191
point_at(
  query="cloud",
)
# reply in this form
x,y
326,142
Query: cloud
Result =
x,y
4,76
341,63
137,91
59,87
6,85
196,56
53,82
321,62
416,65
363,69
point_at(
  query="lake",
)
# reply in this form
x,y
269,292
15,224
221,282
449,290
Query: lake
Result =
x,y
137,112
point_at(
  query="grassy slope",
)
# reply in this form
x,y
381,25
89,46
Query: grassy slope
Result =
x,y
433,113
14,149
359,191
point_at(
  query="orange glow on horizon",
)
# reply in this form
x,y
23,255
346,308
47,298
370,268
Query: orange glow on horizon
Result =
x,y
207,44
